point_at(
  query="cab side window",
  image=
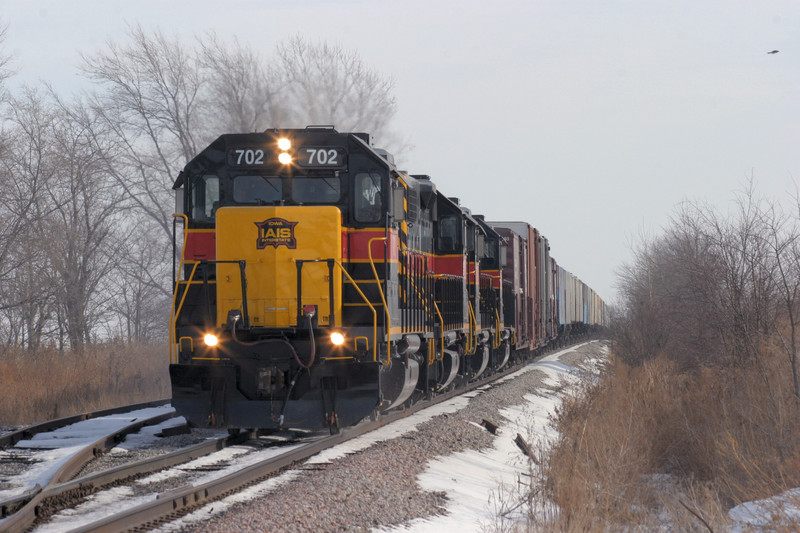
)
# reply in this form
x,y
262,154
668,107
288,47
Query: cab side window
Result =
x,y
448,235
205,197
368,197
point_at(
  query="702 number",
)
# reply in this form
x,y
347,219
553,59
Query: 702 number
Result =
x,y
249,157
321,156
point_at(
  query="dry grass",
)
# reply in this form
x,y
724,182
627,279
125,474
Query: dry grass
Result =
x,y
661,444
48,384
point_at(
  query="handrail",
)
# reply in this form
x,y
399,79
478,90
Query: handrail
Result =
x,y
174,320
473,330
374,314
174,315
497,335
414,285
383,299
441,330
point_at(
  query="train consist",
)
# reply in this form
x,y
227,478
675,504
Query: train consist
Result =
x,y
320,285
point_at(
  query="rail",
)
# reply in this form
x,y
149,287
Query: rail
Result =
x,y
416,280
58,494
28,510
10,439
420,270
176,311
332,308
188,283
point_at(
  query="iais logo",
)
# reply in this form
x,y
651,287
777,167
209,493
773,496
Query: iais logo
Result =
x,y
276,232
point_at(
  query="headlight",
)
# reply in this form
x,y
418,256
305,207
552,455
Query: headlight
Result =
x,y
285,158
284,143
210,339
337,339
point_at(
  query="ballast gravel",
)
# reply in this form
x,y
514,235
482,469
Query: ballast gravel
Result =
x,y
377,486
162,446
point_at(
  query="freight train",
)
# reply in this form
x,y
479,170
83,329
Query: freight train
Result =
x,y
319,285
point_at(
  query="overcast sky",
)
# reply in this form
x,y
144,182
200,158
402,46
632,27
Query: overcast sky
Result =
x,y
591,120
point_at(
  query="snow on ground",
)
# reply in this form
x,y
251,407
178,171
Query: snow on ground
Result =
x,y
49,451
762,515
472,479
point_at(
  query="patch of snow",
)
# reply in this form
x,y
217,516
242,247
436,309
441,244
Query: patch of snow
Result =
x,y
50,450
782,509
469,478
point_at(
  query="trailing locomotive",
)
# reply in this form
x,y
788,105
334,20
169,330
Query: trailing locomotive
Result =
x,y
320,285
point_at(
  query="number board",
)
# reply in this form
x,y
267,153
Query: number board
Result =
x,y
305,157
320,157
247,157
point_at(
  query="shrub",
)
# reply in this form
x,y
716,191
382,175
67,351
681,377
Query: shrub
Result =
x,y
46,384
656,440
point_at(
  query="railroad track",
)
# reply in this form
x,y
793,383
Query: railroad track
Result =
x,y
10,439
41,502
19,512
173,504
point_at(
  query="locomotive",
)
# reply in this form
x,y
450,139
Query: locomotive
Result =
x,y
319,285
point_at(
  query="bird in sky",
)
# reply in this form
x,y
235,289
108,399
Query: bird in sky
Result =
x,y
773,52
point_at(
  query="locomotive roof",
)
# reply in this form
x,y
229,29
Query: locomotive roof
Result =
x,y
477,220
215,153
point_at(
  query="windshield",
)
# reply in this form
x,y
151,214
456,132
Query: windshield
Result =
x,y
316,190
257,189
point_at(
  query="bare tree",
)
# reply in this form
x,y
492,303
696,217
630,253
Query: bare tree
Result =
x,y
5,60
86,207
148,100
163,101
67,207
710,282
10,224
639,331
783,240
244,93
27,295
85,190
738,284
136,295
326,84
160,101
668,296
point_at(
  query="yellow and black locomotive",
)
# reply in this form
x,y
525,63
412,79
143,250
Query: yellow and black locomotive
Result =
x,y
320,285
